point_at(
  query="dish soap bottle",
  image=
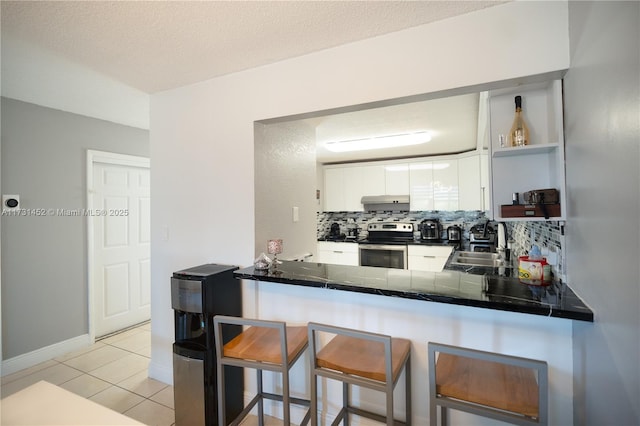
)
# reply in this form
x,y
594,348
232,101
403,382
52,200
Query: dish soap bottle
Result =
x,y
534,253
519,134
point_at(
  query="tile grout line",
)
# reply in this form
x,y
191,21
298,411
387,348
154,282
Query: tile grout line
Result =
x,y
57,363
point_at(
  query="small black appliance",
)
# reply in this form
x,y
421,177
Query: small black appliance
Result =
x,y
430,230
454,233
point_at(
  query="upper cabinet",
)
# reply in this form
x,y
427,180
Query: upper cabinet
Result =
x,y
439,183
538,165
434,185
396,179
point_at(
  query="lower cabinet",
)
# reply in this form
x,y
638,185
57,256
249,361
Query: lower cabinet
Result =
x,y
338,253
428,258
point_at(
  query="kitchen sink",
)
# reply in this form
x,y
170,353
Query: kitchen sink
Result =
x,y
472,258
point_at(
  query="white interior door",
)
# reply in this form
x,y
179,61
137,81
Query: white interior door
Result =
x,y
121,247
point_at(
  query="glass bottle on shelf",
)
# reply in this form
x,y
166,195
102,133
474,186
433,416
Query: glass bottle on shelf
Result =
x,y
519,135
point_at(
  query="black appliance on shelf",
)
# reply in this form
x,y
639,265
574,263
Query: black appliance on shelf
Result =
x,y
197,295
430,230
454,234
482,237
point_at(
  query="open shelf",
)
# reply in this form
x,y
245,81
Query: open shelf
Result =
x,y
535,166
526,150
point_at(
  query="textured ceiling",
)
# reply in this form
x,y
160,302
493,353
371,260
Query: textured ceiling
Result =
x,y
159,45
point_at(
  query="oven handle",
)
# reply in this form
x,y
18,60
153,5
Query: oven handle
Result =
x,y
398,247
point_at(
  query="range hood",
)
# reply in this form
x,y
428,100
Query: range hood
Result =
x,y
374,203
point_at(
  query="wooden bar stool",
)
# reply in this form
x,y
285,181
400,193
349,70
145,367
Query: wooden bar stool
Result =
x,y
264,345
501,387
359,358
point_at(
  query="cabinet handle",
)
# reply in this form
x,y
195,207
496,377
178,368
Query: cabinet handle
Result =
x,y
336,251
430,257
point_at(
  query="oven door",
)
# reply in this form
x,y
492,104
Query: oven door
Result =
x,y
383,255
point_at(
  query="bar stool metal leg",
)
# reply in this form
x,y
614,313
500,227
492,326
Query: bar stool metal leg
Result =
x,y
260,401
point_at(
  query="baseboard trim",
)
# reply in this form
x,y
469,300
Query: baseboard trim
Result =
x,y
47,353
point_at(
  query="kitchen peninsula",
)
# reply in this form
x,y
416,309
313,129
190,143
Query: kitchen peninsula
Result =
x,y
482,289
476,308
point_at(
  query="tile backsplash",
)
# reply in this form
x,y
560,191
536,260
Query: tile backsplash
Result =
x,y
464,219
548,235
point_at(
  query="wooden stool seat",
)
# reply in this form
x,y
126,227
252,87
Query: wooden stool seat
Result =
x,y
263,344
363,358
502,387
359,358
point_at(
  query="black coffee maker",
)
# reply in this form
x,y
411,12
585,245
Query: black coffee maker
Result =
x,y
430,230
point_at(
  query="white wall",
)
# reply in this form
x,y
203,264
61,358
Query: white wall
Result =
x,y
44,270
285,177
39,77
602,125
202,135
75,108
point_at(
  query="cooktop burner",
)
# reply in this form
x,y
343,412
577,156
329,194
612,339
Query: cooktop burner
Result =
x,y
390,232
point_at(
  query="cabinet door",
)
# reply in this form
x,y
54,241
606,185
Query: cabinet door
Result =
x,y
445,185
372,180
338,253
428,258
470,191
334,192
484,182
396,179
352,189
421,186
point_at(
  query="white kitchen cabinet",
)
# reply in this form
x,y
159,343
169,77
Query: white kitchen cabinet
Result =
x,y
445,184
473,181
352,186
485,182
434,184
469,183
371,180
427,258
540,164
346,185
396,179
421,185
338,253
334,192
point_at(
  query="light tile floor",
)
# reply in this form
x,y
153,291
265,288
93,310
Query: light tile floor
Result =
x,y
111,372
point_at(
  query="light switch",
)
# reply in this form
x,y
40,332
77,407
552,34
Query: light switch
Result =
x,y
296,215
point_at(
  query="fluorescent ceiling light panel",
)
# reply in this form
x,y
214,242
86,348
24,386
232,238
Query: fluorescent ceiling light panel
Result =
x,y
379,142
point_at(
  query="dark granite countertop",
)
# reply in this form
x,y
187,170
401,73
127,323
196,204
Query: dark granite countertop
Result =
x,y
477,287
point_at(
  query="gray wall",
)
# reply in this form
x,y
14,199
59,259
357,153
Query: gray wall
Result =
x,y
44,273
285,176
602,96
